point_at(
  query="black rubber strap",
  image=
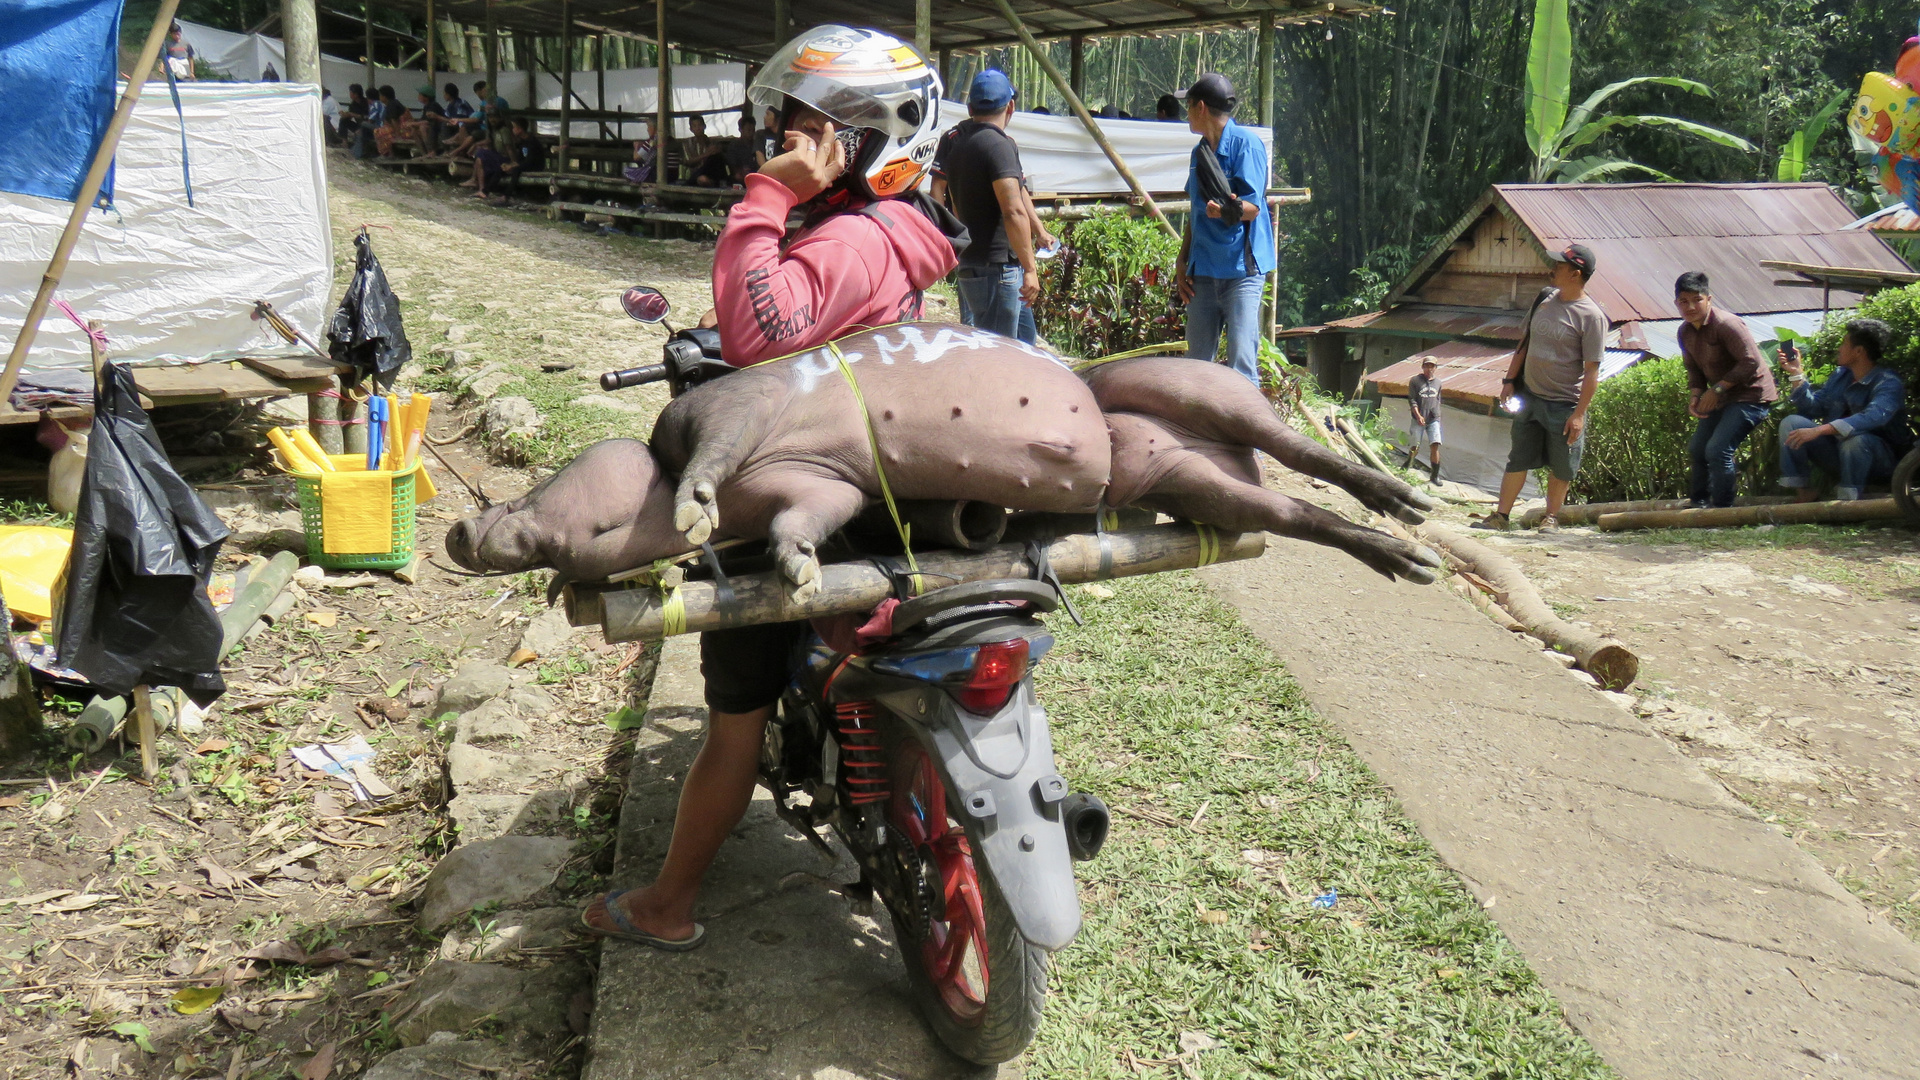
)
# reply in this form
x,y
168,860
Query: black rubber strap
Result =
x,y
1043,571
722,588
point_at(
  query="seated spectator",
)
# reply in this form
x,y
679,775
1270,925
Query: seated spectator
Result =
x,y
1854,427
641,171
456,107
394,120
478,130
330,114
425,128
1041,110
1167,109
363,136
700,144
355,113
769,140
730,161
491,158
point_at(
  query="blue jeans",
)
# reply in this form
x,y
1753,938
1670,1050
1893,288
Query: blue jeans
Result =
x,y
1236,303
1715,443
1853,461
990,297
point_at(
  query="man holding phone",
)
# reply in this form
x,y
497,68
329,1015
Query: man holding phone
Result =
x,y
1854,427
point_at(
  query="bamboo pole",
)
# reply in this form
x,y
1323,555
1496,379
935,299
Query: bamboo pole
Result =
x,y
566,83
432,52
600,71
1080,110
1813,513
1264,78
923,27
1589,513
366,18
636,614
83,201
491,47
1077,63
143,727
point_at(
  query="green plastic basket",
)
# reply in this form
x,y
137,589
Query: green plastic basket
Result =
x,y
395,557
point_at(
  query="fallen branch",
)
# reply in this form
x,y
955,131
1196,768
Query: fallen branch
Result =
x,y
1484,601
1612,664
1814,513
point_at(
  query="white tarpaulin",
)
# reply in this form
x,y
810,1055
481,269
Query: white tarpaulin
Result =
x,y
1473,445
177,282
1061,157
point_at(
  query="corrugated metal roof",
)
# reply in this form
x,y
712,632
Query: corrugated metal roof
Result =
x,y
1663,336
1468,371
746,30
1436,320
1645,235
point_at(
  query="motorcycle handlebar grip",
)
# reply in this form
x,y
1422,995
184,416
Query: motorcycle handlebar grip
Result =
x,y
615,380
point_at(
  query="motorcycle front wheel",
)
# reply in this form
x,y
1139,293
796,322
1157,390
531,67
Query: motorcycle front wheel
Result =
x,y
977,981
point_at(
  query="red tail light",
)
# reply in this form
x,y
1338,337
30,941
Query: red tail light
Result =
x,y
997,669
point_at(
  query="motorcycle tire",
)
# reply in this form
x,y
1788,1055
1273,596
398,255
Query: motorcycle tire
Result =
x,y
998,1028
1906,477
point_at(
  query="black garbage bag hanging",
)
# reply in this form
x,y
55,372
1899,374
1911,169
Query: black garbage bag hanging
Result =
x,y
136,608
366,330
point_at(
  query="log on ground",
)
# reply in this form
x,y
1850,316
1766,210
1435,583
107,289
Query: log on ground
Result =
x,y
1611,663
1814,513
1588,513
642,614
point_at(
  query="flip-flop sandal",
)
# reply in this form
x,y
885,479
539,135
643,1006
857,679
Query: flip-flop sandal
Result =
x,y
626,931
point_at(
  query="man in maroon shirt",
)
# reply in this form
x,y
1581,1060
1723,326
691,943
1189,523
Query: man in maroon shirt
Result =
x,y
1729,385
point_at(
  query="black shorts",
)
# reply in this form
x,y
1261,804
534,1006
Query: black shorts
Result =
x,y
748,668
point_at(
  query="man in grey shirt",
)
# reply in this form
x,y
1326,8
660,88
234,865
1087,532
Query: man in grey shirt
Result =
x,y
1553,374
1423,398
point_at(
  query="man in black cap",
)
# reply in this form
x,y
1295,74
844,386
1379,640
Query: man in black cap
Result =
x,y
1550,384
1227,250
977,169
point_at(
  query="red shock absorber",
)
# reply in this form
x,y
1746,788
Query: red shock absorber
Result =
x,y
861,761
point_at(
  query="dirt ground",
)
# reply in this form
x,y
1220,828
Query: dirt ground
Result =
x,y
1786,661
115,897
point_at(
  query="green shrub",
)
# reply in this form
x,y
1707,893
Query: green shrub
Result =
x,y
1111,287
1899,309
1637,434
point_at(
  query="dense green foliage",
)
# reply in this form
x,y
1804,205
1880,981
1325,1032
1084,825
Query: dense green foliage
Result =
x,y
1111,287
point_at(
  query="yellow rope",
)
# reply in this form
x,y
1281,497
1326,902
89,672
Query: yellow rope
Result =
x,y
1161,349
879,469
673,606
1209,544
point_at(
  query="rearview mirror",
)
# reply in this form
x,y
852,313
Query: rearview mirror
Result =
x,y
645,304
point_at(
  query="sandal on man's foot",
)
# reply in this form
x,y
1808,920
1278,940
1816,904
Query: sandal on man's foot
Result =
x,y
626,931
1495,521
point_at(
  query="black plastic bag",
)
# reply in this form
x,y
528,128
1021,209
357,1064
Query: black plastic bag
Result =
x,y
366,331
136,608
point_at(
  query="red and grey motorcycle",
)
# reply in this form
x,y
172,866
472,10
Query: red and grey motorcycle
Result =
x,y
929,756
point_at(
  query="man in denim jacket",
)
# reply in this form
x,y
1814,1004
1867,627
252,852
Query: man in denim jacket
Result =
x,y
1854,427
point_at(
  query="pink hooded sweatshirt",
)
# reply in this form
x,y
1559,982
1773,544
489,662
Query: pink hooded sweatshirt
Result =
x,y
859,268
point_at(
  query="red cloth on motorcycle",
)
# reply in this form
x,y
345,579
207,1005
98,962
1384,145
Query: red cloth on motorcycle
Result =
x,y
847,271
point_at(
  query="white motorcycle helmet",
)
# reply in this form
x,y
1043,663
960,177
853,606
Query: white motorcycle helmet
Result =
x,y
882,92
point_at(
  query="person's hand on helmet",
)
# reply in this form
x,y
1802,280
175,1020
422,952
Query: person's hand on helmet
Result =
x,y
811,163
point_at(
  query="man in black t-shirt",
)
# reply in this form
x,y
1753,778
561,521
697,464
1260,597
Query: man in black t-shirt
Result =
x,y
768,142
977,171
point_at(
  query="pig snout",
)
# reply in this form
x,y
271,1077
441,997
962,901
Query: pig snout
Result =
x,y
496,540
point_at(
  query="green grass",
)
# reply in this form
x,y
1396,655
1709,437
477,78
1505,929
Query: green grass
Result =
x,y
1164,704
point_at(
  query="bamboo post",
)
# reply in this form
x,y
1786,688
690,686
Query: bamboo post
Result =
x,y
636,614
663,103
1077,63
1080,110
566,83
352,426
1266,118
491,47
366,18
83,201
323,421
523,47
432,51
923,27
1813,513
600,70
946,69
1590,513
782,22
143,727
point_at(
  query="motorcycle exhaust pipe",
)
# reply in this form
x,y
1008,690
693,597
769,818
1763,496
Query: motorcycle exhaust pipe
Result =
x,y
1087,822
963,523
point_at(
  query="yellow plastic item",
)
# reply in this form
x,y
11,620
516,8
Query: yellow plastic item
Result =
x,y
356,511
288,455
311,448
33,567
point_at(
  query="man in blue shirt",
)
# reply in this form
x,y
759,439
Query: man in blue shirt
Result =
x,y
1854,427
1228,247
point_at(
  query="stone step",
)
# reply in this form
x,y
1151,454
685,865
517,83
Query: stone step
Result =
x,y
791,983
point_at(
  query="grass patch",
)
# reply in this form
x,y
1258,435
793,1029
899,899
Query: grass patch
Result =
x,y
1165,706
1818,537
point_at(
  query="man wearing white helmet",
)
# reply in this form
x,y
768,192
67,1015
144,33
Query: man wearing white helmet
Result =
x,y
858,109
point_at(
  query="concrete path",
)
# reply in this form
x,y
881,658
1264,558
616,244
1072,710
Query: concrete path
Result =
x,y
1684,936
791,984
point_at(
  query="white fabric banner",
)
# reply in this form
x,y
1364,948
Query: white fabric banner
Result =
x,y
177,282
1061,157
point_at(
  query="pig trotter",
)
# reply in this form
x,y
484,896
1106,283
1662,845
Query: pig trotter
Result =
x,y
1385,495
801,566
698,513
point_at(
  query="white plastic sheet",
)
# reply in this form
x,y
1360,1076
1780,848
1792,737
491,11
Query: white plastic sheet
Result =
x,y
1061,157
170,281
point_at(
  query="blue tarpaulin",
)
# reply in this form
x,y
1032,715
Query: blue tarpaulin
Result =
x,y
58,63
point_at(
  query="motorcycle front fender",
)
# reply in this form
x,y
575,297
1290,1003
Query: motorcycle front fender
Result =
x,y
1010,803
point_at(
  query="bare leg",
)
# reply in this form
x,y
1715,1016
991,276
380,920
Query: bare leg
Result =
x,y
713,798
1556,494
1200,489
1510,486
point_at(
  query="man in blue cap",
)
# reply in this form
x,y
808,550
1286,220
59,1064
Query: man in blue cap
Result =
x,y
1227,251
977,169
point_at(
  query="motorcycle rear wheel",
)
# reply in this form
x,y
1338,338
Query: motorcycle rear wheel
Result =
x,y
986,1028
1906,486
